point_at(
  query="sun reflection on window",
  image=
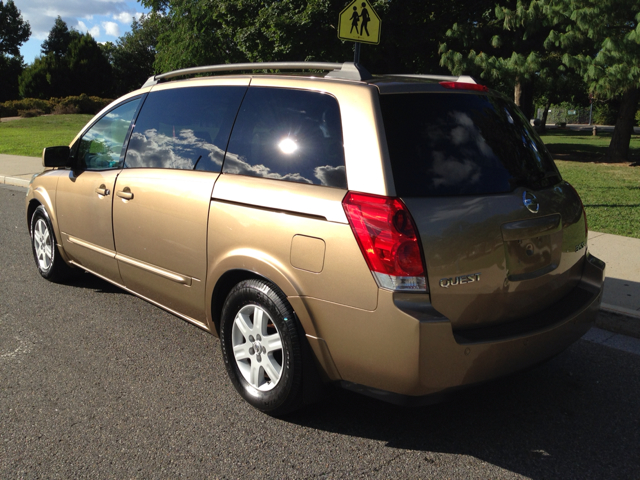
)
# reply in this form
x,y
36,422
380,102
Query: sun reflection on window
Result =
x,y
288,146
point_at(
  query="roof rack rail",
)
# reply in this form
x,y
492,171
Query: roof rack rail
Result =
x,y
443,78
347,70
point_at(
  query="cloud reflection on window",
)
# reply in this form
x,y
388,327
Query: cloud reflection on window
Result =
x,y
151,149
464,167
326,175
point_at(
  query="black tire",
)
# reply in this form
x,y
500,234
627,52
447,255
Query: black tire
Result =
x,y
250,371
45,250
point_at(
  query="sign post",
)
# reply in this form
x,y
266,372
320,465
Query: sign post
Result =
x,y
359,23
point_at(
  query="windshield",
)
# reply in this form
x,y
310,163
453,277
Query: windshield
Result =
x,y
462,144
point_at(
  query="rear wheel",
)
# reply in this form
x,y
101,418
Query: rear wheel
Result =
x,y
45,252
262,347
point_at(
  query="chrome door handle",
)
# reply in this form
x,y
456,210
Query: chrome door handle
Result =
x,y
126,193
102,190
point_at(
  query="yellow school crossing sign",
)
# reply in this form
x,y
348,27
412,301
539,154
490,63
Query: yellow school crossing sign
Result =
x,y
359,23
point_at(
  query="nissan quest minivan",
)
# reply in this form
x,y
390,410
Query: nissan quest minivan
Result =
x,y
399,235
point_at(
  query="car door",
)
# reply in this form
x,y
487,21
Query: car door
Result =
x,y
162,196
84,196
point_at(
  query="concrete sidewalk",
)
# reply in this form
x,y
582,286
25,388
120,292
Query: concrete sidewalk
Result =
x,y
622,255
17,170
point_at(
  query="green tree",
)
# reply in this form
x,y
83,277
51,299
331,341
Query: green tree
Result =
x,y
14,31
10,70
89,70
229,31
506,47
35,80
59,39
564,86
412,31
133,55
612,69
71,64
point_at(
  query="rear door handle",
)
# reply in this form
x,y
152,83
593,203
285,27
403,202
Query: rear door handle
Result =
x,y
125,193
102,190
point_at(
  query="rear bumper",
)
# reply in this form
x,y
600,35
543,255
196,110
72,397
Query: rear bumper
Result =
x,y
406,353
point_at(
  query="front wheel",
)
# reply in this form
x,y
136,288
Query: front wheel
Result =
x,y
262,348
45,251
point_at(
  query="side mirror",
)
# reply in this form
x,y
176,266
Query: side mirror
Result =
x,y
56,157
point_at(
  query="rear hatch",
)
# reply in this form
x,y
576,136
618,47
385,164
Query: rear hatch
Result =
x,y
503,236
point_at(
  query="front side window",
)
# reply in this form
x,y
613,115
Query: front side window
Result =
x,y
101,146
292,135
184,128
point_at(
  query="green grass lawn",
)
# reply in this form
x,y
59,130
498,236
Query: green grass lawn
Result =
x,y
610,193
568,144
28,136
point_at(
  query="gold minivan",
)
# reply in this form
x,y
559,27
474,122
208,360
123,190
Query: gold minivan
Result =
x,y
401,236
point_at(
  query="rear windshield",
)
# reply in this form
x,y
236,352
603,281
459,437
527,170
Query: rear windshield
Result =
x,y
462,144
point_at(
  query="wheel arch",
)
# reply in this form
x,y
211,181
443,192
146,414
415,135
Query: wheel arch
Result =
x,y
40,197
222,288
31,209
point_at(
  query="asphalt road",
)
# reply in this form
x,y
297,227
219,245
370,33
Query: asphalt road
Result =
x,y
98,383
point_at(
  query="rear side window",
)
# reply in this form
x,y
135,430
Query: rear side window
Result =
x,y
462,144
291,135
184,128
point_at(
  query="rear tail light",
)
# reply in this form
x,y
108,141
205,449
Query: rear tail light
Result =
x,y
464,86
388,239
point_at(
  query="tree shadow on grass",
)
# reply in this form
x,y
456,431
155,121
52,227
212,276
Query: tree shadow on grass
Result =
x,y
581,150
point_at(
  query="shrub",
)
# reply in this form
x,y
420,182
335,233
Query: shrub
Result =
x,y
83,103
604,113
61,109
78,104
32,112
13,107
8,111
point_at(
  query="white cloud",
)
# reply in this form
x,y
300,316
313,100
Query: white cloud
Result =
x,y
41,14
124,17
84,15
111,28
93,31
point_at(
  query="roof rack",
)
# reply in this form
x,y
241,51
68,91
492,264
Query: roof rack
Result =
x,y
443,78
347,70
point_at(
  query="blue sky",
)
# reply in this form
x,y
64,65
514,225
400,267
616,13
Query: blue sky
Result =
x,y
105,20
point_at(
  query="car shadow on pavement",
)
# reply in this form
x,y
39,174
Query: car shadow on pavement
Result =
x,y
576,416
91,282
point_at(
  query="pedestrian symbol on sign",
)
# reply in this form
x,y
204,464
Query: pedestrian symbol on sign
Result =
x,y
359,23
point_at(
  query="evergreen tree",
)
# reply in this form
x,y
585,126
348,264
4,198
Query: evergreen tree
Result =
x,y
59,39
35,80
14,31
72,64
612,68
89,70
506,48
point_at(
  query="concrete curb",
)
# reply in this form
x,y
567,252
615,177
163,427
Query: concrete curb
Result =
x,y
618,323
627,312
16,182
